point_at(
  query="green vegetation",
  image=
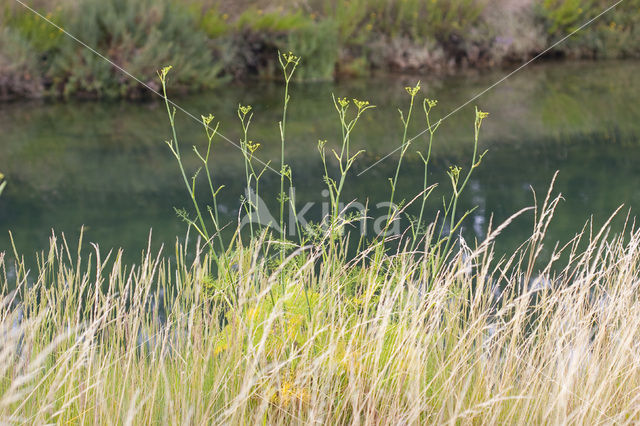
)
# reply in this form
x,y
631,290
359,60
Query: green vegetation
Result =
x,y
135,35
376,347
19,73
411,328
616,36
224,38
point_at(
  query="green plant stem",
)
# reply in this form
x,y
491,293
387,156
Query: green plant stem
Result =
x,y
426,193
175,147
405,146
475,161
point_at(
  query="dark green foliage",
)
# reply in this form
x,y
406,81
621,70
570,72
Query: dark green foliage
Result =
x,y
138,36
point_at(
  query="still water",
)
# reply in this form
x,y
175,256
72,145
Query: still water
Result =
x,y
105,166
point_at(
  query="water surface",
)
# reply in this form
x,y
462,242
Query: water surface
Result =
x,y
104,165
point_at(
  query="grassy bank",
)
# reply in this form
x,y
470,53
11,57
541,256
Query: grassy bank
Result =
x,y
229,39
160,342
413,326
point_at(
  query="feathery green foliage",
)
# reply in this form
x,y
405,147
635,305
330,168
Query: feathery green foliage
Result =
x,y
136,36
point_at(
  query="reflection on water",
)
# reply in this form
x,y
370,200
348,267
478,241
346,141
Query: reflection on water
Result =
x,y
105,166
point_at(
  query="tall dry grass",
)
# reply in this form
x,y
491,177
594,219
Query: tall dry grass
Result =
x,y
513,340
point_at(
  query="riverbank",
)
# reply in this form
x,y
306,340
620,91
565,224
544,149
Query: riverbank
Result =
x,y
215,41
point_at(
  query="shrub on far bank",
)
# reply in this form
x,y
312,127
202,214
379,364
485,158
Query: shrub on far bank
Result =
x,y
136,36
19,72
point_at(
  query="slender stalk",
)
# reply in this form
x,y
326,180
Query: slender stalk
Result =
x,y
345,159
245,119
413,91
427,104
175,149
454,174
206,121
288,62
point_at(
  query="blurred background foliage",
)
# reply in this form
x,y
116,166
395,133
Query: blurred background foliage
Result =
x,y
210,40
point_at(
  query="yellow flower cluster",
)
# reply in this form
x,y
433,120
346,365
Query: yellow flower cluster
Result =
x,y
164,71
244,109
208,119
289,394
290,58
413,90
253,146
360,104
